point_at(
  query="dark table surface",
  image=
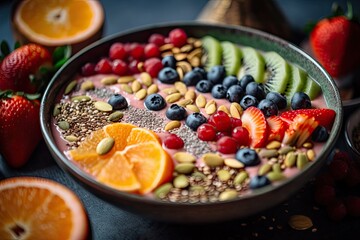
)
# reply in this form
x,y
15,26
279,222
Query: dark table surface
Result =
x,y
109,222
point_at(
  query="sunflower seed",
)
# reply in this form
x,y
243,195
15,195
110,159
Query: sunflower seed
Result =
x,y
172,125
173,97
126,88
210,108
125,79
181,87
71,138
224,109
109,80
135,86
146,79
273,145
190,94
310,154
233,163
141,94
169,90
193,108
223,175
153,88
240,177
200,101
300,222
185,102
82,98
235,110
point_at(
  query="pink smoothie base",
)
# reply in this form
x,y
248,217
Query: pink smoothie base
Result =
x,y
319,102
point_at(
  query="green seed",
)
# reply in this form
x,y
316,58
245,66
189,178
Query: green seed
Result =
x,y
268,153
87,85
197,189
273,145
240,177
181,181
115,116
103,106
184,157
233,163
264,169
57,110
71,138
302,161
228,195
286,149
276,167
126,88
64,125
70,87
212,159
109,80
290,159
275,176
198,175
105,145
223,175
163,190
184,168
308,145
82,98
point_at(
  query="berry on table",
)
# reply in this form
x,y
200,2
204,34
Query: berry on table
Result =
x,y
173,141
206,132
227,145
324,194
178,37
221,121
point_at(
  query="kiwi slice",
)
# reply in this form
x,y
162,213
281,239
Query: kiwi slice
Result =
x,y
296,82
311,88
231,57
253,64
213,52
277,73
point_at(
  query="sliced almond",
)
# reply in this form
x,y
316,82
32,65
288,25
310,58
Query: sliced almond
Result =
x,y
190,94
195,61
184,102
193,108
195,53
173,97
153,88
181,87
146,79
185,66
224,109
186,48
172,125
210,108
180,56
135,86
180,72
169,90
166,47
235,110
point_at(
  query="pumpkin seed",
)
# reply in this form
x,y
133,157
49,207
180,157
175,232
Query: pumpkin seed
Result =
x,y
211,108
300,222
87,85
184,168
275,176
264,169
198,175
310,154
290,159
172,125
240,177
286,149
193,108
233,163
200,101
224,109
125,79
223,175
235,110
268,153
115,116
228,195
105,145
276,167
103,106
109,80
82,98
197,189
70,87
163,190
308,145
56,110
146,79
153,88
212,159
184,157
301,161
126,88
185,102
64,125
181,181
141,94
71,138
273,145
169,90
181,87
190,94
173,97
135,86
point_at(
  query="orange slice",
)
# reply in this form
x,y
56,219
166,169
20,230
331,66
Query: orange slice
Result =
x,y
37,208
55,22
120,132
140,135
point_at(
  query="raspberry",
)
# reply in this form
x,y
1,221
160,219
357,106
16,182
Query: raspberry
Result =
x,y
241,135
173,141
157,39
151,50
338,168
235,122
119,67
103,66
153,66
117,51
206,132
178,37
88,69
352,204
324,194
137,51
221,121
336,210
227,145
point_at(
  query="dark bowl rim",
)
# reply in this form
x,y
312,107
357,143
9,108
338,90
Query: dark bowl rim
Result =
x,y
65,163
348,131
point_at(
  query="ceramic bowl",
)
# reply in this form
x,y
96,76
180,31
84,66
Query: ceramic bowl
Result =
x,y
352,122
259,200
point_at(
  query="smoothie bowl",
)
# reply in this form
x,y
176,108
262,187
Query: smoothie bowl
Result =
x,y
190,122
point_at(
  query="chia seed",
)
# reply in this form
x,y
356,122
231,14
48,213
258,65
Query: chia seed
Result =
x,y
144,118
101,92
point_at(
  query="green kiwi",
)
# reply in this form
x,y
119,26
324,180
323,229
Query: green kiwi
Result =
x,y
296,82
253,64
277,73
231,57
213,52
311,88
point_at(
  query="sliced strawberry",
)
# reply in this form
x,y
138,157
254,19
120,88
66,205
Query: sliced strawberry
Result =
x,y
277,128
324,116
255,122
299,130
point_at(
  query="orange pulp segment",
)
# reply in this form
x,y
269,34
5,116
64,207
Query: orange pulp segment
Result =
x,y
120,132
37,208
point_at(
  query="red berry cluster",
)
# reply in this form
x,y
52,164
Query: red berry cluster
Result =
x,y
336,187
226,131
131,58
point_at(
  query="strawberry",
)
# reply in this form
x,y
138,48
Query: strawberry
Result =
x,y
255,122
335,43
277,128
324,116
21,69
299,130
19,128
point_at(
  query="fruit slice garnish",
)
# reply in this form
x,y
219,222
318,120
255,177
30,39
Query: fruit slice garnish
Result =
x,y
38,208
253,64
231,55
254,121
277,128
213,52
299,130
296,82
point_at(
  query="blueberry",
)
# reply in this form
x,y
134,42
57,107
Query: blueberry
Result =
x,y
204,86
259,182
320,134
216,74
235,93
229,81
268,107
168,75
118,102
245,80
247,156
155,102
256,90
248,101
201,71
300,100
192,78
278,99
218,91
169,61
194,120
176,112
